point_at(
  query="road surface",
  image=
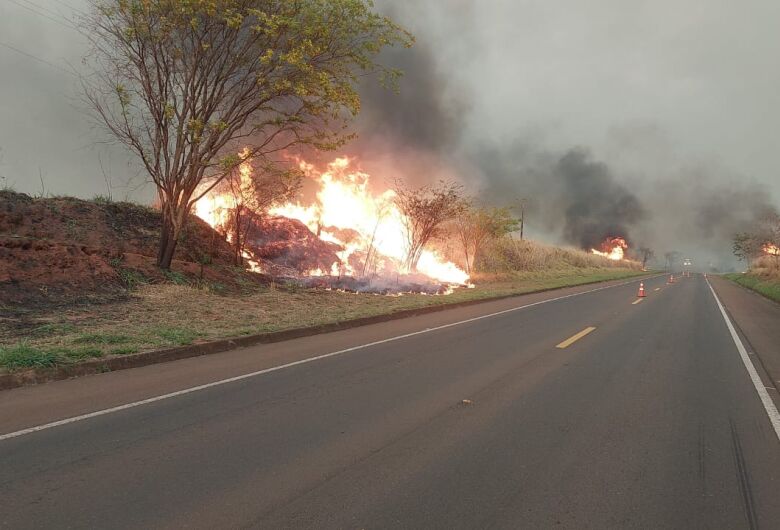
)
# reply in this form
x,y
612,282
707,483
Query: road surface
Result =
x,y
584,410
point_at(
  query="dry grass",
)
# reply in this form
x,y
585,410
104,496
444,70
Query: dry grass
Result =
x,y
763,277
160,316
767,268
509,255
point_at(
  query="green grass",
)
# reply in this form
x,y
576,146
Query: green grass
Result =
x,y
23,355
102,338
768,288
80,354
176,278
53,329
131,278
176,336
124,350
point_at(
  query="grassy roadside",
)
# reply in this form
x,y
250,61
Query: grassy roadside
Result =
x,y
765,286
161,316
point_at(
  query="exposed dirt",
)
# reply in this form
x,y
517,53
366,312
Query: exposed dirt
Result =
x,y
56,252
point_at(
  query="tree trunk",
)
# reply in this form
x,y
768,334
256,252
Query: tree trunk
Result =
x,y
168,241
169,236
238,259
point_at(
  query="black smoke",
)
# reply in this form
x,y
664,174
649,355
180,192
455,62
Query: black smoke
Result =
x,y
596,206
425,113
428,131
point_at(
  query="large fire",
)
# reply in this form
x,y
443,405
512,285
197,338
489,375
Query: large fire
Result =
x,y
348,214
368,227
772,250
215,207
613,248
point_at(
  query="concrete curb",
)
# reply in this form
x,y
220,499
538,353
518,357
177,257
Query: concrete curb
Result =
x,y
122,362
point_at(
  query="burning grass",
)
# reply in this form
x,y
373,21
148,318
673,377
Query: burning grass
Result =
x,y
166,315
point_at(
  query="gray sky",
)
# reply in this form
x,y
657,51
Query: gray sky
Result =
x,y
659,91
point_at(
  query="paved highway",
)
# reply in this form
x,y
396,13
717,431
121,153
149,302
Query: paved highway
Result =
x,y
585,410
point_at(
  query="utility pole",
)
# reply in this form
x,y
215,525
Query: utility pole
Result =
x,y
521,206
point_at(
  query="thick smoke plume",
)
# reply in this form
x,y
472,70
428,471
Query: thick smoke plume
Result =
x,y
428,131
597,206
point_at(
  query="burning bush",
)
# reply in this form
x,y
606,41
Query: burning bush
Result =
x,y
613,248
351,230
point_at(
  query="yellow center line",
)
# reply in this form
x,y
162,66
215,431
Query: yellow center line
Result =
x,y
571,340
635,302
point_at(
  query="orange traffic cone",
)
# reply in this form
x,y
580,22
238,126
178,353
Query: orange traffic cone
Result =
x,y
641,293
671,278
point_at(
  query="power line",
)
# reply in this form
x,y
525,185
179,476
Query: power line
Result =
x,y
33,10
65,4
31,56
53,12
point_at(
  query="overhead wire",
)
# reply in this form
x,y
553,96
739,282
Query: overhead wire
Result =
x,y
35,57
62,21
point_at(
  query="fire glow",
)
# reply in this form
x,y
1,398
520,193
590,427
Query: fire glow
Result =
x,y
368,227
215,207
613,248
772,250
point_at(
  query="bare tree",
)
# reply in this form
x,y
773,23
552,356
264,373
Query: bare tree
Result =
x,y
647,254
253,191
671,258
424,211
475,226
185,85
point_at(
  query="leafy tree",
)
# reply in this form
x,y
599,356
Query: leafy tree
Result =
x,y
424,211
475,226
763,235
186,84
746,247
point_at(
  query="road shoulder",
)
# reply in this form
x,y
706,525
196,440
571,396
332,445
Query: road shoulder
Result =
x,y
758,321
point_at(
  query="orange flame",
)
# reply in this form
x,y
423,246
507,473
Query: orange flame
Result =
x,y
344,203
215,207
613,248
772,250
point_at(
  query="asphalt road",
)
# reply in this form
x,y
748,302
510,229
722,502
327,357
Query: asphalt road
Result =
x,y
650,420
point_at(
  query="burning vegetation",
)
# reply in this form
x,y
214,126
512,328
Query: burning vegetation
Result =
x,y
613,248
345,237
762,240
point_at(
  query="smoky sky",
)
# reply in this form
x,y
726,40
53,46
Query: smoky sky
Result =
x,y
657,119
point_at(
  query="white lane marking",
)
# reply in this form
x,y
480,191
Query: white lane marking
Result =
x,y
190,390
769,405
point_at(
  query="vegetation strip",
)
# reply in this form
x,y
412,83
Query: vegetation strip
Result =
x,y
47,371
767,287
